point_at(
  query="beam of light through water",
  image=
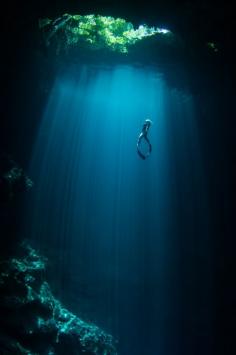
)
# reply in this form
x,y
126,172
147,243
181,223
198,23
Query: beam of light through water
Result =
x,y
113,222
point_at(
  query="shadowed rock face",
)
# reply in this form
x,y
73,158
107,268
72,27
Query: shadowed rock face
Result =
x,y
14,184
13,180
33,321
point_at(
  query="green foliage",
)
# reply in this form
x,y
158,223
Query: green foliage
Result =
x,y
94,32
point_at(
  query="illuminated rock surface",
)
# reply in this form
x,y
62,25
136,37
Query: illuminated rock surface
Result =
x,y
33,321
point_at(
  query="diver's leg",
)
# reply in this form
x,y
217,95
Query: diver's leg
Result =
x,y
149,145
138,150
141,155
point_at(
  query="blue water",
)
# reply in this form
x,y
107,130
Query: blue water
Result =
x,y
124,235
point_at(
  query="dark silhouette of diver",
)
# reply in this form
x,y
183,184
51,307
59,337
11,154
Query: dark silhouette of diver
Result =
x,y
143,135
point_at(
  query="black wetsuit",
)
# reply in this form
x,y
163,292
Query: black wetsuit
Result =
x,y
143,135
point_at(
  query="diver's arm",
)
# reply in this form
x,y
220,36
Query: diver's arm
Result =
x,y
140,137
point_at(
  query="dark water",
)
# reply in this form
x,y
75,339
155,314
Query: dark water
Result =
x,y
128,240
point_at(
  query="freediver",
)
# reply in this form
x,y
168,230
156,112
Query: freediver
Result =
x,y
143,135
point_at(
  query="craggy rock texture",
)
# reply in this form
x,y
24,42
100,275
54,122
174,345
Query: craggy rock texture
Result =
x,y
13,180
33,321
14,185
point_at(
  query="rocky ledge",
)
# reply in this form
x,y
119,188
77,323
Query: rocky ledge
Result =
x,y
33,321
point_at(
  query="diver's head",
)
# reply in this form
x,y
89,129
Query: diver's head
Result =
x,y
148,122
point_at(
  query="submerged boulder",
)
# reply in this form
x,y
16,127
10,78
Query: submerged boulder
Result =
x,y
33,321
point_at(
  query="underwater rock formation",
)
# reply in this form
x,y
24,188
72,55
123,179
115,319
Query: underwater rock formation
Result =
x,y
14,183
13,180
33,321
